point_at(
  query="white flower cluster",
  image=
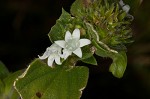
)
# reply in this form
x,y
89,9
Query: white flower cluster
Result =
x,y
71,44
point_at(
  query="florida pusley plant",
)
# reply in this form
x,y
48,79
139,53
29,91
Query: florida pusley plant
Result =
x,y
93,27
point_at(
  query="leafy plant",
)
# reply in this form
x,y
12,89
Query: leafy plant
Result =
x,y
94,27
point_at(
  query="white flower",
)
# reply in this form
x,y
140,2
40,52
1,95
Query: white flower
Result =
x,y
125,8
72,43
52,53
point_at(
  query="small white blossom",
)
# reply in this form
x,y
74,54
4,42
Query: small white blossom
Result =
x,y
72,43
53,53
125,8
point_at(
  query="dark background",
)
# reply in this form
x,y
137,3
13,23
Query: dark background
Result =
x,y
24,25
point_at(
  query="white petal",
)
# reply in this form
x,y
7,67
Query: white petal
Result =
x,y
66,53
57,60
43,57
50,60
121,3
67,36
61,43
84,42
60,55
76,34
78,52
55,46
126,8
46,54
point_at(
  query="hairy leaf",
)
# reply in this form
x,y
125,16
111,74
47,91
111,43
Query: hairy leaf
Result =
x,y
6,86
91,60
44,82
3,71
62,25
78,8
119,64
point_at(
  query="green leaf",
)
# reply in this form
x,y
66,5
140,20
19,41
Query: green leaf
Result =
x,y
9,90
77,8
62,25
119,64
10,80
90,60
99,50
3,71
122,16
90,31
1,88
44,82
86,51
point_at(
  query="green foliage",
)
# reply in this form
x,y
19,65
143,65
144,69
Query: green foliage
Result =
x,y
91,60
78,8
3,71
100,51
101,21
108,26
105,24
1,88
110,22
6,83
41,81
87,53
10,92
63,24
119,64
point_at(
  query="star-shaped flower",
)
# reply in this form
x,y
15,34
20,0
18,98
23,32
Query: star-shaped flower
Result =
x,y
72,43
52,53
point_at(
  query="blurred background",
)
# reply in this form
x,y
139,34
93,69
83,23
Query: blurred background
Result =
x,y
24,25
